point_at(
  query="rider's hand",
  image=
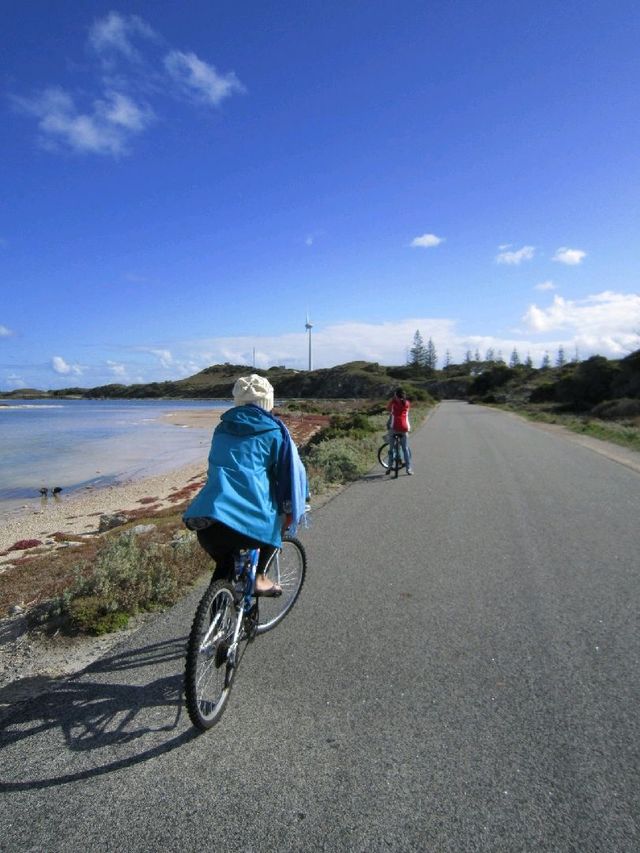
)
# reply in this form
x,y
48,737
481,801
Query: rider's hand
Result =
x,y
287,522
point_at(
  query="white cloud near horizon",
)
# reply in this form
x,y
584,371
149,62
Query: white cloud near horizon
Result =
x,y
426,241
545,285
570,257
514,257
15,381
606,322
59,365
117,369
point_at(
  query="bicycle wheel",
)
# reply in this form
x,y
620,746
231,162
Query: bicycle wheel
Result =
x,y
383,455
287,568
208,674
398,461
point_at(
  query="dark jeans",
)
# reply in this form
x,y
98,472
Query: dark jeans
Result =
x,y
221,542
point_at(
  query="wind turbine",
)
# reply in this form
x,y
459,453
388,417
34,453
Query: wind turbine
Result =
x,y
308,326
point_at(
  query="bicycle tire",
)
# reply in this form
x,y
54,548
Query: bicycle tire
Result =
x,y
397,463
383,455
208,674
287,567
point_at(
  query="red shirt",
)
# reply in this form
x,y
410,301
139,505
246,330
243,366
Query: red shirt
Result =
x,y
400,414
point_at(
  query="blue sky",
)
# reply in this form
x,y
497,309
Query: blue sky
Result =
x,y
182,182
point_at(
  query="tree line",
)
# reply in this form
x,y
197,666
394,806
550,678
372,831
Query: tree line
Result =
x,y
422,356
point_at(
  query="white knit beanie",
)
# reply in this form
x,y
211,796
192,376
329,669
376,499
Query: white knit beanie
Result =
x,y
253,389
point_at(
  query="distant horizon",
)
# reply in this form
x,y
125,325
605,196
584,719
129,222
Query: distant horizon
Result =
x,y
185,186
569,359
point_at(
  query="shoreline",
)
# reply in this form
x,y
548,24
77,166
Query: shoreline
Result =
x,y
79,511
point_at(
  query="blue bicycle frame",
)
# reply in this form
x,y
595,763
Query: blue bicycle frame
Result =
x,y
244,571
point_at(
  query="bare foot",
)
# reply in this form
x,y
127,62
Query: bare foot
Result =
x,y
266,587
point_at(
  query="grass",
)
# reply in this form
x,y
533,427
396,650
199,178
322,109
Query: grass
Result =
x,y
97,585
623,433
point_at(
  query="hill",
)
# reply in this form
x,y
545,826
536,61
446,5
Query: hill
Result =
x,y
599,387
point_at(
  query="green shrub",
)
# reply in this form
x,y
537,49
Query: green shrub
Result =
x,y
617,410
88,613
336,458
128,574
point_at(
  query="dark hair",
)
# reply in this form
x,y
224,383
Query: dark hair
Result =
x,y
399,393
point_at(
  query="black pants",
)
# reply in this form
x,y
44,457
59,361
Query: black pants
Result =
x,y
221,542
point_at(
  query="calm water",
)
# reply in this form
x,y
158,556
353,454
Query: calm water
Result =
x,y
76,443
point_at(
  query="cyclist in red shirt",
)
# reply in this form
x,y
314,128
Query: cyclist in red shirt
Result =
x,y
399,424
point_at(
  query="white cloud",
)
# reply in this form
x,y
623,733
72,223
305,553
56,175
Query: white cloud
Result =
x,y
121,111
606,322
199,79
106,129
15,381
545,285
117,369
514,257
103,115
426,241
59,365
163,355
570,257
4,332
114,33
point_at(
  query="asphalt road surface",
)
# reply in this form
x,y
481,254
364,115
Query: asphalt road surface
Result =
x,y
461,673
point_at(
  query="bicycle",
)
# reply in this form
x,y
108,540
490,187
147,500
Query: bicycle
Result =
x,y
397,462
228,615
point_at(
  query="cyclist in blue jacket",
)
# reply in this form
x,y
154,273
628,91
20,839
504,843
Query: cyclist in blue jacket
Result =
x,y
256,484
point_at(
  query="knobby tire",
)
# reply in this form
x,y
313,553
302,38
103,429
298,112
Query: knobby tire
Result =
x,y
208,675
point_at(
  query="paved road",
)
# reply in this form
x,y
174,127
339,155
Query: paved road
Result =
x,y
460,674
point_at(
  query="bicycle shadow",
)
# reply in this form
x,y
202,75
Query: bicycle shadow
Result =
x,y
86,715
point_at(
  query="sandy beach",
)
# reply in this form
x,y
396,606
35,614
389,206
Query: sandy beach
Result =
x,y
79,512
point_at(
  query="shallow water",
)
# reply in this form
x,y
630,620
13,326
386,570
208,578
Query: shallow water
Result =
x,y
77,443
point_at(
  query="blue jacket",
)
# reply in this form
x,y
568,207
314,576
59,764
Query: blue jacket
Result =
x,y
253,476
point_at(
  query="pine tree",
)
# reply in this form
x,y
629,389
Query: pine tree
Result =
x,y
447,359
514,361
490,356
431,356
418,352
546,361
561,358
528,362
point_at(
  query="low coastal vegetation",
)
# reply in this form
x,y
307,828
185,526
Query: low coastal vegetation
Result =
x,y
150,560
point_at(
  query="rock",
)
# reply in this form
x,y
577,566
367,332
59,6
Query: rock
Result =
x,y
108,522
143,528
16,610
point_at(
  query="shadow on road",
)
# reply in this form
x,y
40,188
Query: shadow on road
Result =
x,y
94,716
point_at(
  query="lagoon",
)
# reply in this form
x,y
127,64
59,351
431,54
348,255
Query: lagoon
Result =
x,y
75,444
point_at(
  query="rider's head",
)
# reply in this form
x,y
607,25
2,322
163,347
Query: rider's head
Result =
x,y
253,389
400,394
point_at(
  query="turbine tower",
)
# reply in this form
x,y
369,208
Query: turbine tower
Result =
x,y
308,326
